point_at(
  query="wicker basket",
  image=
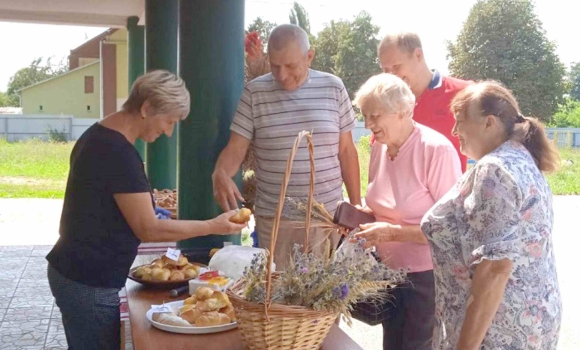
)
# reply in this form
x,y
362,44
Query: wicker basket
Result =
x,y
275,326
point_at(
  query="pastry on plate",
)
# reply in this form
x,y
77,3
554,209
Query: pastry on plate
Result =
x,y
214,318
203,293
192,300
190,313
176,275
160,274
141,271
170,319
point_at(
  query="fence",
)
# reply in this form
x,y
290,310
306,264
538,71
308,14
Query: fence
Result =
x,y
564,137
17,127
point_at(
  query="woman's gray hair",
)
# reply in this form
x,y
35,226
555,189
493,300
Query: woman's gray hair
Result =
x,y
391,91
166,93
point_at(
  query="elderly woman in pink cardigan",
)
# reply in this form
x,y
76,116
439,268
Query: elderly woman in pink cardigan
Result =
x,y
411,168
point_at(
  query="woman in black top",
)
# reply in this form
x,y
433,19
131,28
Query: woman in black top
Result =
x,y
108,211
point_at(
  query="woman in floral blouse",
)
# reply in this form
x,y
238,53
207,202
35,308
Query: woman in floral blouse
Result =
x,y
491,235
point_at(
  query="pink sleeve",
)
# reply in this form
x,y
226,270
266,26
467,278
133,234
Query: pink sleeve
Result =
x,y
444,171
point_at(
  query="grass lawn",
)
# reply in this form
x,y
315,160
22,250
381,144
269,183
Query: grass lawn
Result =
x,y
33,169
565,181
36,169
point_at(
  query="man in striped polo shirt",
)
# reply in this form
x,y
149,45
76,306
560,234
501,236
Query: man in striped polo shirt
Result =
x,y
272,111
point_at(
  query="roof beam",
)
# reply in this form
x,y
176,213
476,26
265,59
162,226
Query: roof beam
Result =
x,y
68,18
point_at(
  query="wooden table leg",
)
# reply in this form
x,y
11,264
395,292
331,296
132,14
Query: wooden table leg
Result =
x,y
122,335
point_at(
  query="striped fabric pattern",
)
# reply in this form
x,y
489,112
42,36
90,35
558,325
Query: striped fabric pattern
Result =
x,y
272,117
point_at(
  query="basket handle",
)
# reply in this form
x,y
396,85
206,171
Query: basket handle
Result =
x,y
278,216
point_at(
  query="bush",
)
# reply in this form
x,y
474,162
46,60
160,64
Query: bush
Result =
x,y
364,144
568,115
57,136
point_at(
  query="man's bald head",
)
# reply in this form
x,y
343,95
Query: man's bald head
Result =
x,y
285,35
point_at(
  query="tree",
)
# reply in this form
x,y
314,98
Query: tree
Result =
x,y
327,44
349,50
299,17
574,78
34,73
567,116
263,28
4,100
504,40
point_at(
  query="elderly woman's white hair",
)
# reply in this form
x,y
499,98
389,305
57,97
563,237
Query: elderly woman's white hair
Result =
x,y
392,92
165,92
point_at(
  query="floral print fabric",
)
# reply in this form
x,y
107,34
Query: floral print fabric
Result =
x,y
501,208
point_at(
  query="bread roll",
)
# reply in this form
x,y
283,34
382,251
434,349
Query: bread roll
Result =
x,y
147,277
181,261
203,293
156,270
170,319
209,305
192,300
214,318
229,311
157,263
189,266
190,273
213,251
176,276
140,271
190,313
220,299
224,319
160,274
242,216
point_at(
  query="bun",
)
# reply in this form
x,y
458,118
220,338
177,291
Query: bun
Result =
x,y
182,261
176,276
203,293
242,216
170,319
214,318
221,299
157,263
160,274
208,305
190,313
192,300
229,311
190,273
141,271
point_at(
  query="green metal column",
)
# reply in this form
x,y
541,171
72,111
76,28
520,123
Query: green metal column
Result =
x,y
211,61
136,58
161,53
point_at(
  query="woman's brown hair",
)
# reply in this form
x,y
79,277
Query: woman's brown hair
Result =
x,y
492,98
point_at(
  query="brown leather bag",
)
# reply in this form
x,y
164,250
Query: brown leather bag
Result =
x,y
348,216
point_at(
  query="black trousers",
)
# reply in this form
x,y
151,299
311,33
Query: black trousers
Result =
x,y
90,315
411,314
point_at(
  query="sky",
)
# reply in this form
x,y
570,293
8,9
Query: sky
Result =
x,y
434,21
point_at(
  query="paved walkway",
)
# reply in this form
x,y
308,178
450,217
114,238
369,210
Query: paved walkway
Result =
x,y
30,320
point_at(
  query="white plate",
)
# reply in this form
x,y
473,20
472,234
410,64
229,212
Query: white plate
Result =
x,y
187,330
